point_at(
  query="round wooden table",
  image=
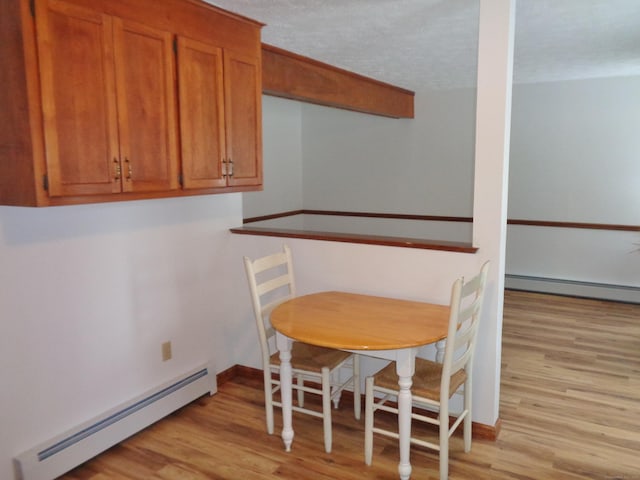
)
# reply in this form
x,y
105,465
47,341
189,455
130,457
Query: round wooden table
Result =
x,y
381,327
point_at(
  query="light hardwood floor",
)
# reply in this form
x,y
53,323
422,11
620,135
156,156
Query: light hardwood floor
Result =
x,y
570,409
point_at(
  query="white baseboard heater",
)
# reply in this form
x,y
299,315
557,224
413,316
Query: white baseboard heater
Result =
x,y
603,291
74,447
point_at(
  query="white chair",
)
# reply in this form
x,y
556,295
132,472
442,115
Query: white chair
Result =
x,y
271,282
435,383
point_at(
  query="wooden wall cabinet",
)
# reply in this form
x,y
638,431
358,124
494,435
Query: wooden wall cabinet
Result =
x,y
107,100
221,137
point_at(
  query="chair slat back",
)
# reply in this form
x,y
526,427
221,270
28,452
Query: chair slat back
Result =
x,y
466,304
271,282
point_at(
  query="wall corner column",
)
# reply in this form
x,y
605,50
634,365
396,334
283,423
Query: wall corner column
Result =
x,y
493,128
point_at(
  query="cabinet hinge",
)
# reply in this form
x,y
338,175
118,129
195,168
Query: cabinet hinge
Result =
x,y
45,182
32,7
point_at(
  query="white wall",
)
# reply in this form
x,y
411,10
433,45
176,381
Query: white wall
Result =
x,y
575,151
282,159
88,294
605,257
574,158
332,159
357,162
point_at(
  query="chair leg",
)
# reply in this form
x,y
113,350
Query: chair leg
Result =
x,y
444,444
368,421
326,408
268,400
468,419
300,382
357,408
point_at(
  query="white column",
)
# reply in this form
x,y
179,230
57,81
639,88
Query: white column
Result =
x,y
493,125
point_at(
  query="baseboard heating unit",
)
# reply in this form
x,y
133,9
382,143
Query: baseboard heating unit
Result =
x,y
72,448
603,291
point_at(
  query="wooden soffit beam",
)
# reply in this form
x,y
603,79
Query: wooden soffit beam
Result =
x,y
289,75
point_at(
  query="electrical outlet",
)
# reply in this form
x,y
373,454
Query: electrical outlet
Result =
x,y
166,351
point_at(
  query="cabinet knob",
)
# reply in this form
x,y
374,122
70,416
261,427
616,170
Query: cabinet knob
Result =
x,y
117,169
129,169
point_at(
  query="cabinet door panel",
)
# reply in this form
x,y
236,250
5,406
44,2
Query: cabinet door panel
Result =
x,y
201,95
243,96
146,107
78,99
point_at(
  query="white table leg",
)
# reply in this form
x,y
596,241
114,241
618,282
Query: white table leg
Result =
x,y
405,365
284,346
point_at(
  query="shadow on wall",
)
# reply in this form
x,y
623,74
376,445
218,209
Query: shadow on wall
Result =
x,y
26,225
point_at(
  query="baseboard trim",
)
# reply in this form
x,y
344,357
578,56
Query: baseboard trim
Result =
x,y
238,371
486,432
573,288
479,430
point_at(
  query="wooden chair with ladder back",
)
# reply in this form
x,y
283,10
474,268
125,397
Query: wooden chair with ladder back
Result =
x,y
271,282
435,383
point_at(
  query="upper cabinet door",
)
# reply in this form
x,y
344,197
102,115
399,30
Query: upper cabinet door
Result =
x,y
201,95
243,92
75,47
145,76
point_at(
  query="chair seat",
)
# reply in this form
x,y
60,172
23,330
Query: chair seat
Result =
x,y
312,358
426,379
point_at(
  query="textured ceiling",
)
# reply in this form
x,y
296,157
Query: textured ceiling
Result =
x,y
420,44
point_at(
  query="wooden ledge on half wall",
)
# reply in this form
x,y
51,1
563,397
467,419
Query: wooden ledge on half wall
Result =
x,y
249,228
289,75
390,241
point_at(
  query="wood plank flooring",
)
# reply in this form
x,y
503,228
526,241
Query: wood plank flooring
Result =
x,y
570,409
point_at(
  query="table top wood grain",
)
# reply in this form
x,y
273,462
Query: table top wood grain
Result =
x,y
353,321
